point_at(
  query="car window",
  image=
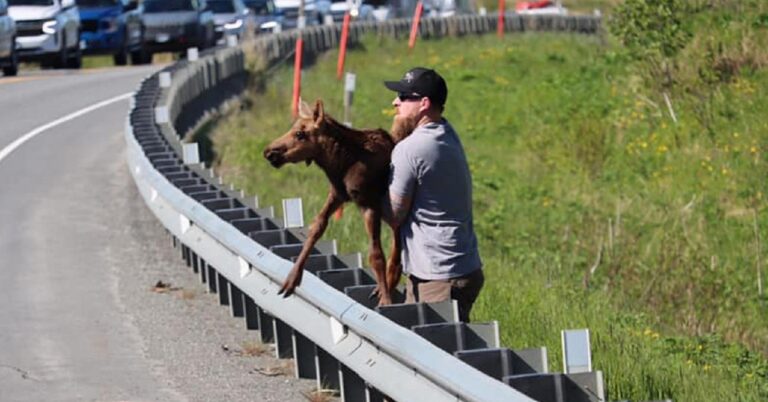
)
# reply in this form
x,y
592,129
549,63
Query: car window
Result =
x,y
221,6
161,6
261,7
30,2
97,3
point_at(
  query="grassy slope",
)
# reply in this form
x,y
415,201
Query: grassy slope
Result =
x,y
593,208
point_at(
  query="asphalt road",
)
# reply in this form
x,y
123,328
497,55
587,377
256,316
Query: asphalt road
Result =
x,y
79,255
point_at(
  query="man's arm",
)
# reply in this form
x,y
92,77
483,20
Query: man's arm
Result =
x,y
396,209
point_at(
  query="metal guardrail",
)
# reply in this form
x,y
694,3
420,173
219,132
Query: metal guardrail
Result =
x,y
329,326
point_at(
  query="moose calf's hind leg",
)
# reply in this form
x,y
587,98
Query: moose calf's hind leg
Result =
x,y
394,266
376,255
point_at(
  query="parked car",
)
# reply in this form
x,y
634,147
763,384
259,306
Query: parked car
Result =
x,y
47,31
314,11
231,17
110,27
357,9
266,17
432,8
9,60
176,25
541,7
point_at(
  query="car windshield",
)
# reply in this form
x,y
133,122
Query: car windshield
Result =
x,y
97,3
261,7
221,6
161,6
30,2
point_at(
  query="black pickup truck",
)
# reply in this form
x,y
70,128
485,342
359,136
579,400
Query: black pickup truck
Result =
x,y
176,25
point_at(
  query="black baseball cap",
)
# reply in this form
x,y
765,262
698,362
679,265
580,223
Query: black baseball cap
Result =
x,y
422,81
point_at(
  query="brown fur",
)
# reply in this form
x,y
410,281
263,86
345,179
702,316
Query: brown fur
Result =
x,y
356,163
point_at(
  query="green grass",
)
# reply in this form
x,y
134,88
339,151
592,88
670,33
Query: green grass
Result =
x,y
593,208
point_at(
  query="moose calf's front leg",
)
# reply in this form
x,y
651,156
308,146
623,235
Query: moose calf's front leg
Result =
x,y
316,231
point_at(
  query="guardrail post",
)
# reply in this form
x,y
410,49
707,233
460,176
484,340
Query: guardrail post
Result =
x,y
283,339
194,262
327,368
236,301
251,313
213,278
266,331
304,356
203,271
223,290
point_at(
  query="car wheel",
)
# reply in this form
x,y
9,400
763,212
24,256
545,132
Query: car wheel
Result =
x,y
75,60
13,68
61,58
121,58
141,56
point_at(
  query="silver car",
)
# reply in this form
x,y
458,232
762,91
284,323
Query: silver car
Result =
x,y
47,31
9,60
231,18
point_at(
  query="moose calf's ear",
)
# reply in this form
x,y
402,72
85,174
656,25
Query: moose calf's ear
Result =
x,y
304,110
319,114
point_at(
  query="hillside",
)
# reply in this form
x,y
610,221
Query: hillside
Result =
x,y
619,185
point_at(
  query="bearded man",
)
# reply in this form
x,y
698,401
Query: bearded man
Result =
x,y
430,196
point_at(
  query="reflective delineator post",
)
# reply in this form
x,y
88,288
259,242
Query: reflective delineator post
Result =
x,y
297,77
500,25
343,46
415,25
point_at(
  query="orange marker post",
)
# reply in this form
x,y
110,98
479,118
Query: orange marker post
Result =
x,y
297,77
415,25
500,25
343,46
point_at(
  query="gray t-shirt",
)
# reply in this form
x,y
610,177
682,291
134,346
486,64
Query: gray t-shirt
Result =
x,y
430,167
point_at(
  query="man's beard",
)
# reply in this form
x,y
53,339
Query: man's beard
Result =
x,y
403,126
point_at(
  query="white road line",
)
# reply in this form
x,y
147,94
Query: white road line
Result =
x,y
28,136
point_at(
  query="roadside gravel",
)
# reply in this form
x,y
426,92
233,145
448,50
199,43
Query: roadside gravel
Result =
x,y
202,351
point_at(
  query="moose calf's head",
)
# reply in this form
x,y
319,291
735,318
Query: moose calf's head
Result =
x,y
302,143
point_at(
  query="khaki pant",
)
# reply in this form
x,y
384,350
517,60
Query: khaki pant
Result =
x,y
464,290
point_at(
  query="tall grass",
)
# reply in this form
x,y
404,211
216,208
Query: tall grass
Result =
x,y
592,206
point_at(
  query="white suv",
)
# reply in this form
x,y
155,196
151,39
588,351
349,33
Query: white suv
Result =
x,y
47,31
8,58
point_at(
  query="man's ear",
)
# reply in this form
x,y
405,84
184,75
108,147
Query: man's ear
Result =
x,y
425,104
319,113
305,112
